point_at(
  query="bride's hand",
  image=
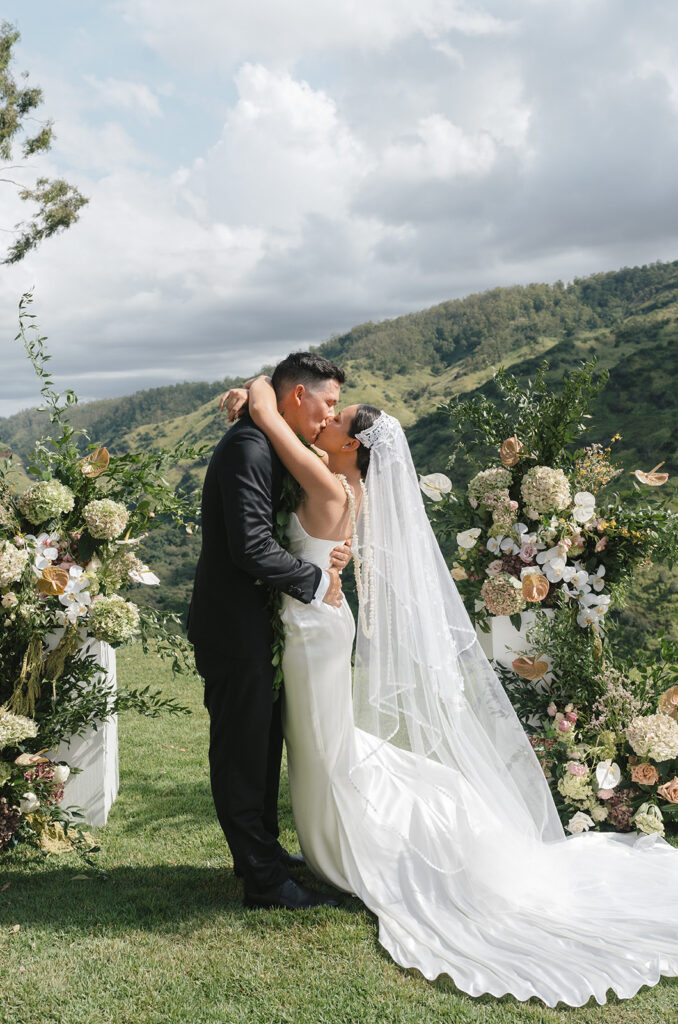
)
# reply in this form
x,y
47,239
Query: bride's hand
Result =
x,y
235,402
341,555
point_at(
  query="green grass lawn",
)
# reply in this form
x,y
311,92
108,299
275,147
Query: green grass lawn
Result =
x,y
162,937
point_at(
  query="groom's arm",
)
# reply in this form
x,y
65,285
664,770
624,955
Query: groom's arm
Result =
x,y
245,481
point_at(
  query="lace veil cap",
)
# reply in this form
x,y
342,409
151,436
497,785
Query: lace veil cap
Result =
x,y
382,430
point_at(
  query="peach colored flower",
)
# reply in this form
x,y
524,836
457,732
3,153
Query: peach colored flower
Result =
x,y
605,794
668,702
669,791
644,773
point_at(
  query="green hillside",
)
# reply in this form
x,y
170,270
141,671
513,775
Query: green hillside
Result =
x,y
628,319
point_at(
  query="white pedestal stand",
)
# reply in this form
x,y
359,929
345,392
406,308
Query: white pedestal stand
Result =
x,y
95,788
504,643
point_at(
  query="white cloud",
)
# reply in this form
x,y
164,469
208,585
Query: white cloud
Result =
x,y
440,150
370,159
135,96
220,35
284,153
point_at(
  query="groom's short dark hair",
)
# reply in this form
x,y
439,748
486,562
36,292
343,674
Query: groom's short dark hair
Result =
x,y
305,368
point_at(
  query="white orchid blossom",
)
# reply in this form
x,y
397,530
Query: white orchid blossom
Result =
x,y
76,599
596,579
493,544
584,507
579,578
554,570
553,564
47,545
588,617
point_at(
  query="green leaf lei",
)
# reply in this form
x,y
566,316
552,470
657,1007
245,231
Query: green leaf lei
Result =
x,y
289,499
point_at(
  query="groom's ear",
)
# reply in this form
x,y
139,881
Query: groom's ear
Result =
x,y
298,392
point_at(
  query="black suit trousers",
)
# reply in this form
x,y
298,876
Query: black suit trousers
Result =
x,y
244,755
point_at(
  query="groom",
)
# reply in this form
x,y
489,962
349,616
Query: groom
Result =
x,y
229,625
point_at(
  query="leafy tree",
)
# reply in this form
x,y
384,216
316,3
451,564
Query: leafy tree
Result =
x,y
58,203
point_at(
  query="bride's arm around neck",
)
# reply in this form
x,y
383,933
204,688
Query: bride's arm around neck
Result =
x,y
308,469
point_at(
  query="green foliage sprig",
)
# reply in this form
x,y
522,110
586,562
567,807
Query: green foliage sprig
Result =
x,y
58,203
547,422
289,500
80,507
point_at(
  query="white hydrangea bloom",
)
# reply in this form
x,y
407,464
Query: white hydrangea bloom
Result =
x,y
105,519
12,563
15,728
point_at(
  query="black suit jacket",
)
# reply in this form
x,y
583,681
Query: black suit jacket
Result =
x,y
228,616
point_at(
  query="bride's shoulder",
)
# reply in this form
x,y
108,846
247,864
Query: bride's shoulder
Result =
x,y
323,456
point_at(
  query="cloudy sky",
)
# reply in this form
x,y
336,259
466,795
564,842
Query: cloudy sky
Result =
x,y
264,173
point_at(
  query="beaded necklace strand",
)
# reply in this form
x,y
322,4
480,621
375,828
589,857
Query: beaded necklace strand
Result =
x,y
362,568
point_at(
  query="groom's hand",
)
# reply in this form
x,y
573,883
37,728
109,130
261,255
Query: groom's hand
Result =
x,y
334,595
341,555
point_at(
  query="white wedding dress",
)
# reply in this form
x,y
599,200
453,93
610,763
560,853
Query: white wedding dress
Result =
x,y
461,884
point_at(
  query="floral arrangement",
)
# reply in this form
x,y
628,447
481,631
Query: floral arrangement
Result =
x,y
68,542
615,765
543,531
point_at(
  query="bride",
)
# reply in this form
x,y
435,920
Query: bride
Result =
x,y
413,785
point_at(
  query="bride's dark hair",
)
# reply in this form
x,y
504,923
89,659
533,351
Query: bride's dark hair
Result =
x,y
364,418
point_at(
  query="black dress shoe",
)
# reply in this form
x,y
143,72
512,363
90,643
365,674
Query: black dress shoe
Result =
x,y
289,896
292,860
288,860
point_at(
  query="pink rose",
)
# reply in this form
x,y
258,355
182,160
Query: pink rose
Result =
x,y
605,794
18,541
571,716
601,545
577,769
551,709
494,568
527,552
513,505
564,725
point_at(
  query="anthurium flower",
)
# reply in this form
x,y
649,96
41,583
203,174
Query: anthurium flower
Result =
x,y
435,485
144,575
608,774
